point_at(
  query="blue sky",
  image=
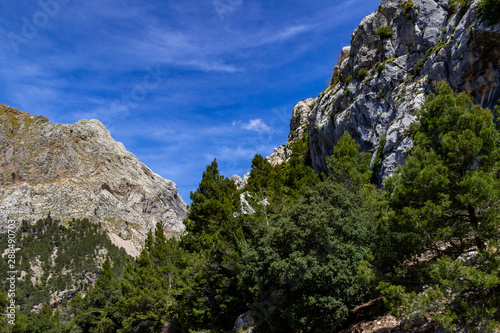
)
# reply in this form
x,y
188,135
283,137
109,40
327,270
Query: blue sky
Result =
x,y
179,83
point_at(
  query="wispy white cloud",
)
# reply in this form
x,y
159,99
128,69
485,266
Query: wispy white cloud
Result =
x,y
179,49
225,8
288,33
256,125
244,150
217,63
209,66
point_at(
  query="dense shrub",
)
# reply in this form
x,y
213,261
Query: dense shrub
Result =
x,y
362,73
408,5
384,32
305,262
490,11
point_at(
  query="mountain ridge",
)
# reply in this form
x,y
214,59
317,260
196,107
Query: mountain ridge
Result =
x,y
396,55
79,171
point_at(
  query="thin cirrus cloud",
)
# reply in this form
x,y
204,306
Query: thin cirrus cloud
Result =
x,y
179,49
219,60
288,33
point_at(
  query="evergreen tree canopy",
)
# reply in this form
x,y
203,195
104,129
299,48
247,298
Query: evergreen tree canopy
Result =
x,y
279,185
305,263
215,233
147,283
348,165
213,205
449,190
444,207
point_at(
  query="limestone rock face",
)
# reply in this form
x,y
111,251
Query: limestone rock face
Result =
x,y
298,128
240,182
78,170
243,323
383,78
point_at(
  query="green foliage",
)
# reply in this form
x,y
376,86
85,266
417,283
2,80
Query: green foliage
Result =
x,y
379,67
489,10
347,165
64,253
421,62
453,5
384,32
348,79
143,299
438,46
216,235
103,290
435,49
42,321
304,263
281,185
377,163
362,73
408,5
47,320
263,177
4,325
148,286
449,179
446,201
380,94
213,204
462,295
336,80
301,250
196,283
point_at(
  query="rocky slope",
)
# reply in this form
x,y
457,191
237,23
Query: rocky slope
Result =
x,y
298,128
395,56
78,170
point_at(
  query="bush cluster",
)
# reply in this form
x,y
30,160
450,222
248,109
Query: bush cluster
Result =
x,y
302,250
384,32
490,11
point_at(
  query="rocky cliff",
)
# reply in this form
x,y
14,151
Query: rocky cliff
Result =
x,y
78,170
298,128
395,56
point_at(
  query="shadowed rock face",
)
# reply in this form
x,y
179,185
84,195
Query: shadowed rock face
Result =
x,y
380,80
78,170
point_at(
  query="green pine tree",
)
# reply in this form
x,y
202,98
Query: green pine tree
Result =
x,y
146,286
104,286
347,165
445,202
215,233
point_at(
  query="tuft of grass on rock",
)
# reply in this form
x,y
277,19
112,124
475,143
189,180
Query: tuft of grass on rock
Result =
x,y
384,32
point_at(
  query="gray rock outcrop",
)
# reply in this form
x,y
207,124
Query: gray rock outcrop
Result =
x,y
383,77
240,182
298,128
243,324
79,171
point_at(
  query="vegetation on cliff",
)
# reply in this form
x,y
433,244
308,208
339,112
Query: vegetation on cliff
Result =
x,y
439,235
55,257
299,251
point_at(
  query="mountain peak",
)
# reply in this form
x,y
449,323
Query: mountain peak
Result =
x,y
79,171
